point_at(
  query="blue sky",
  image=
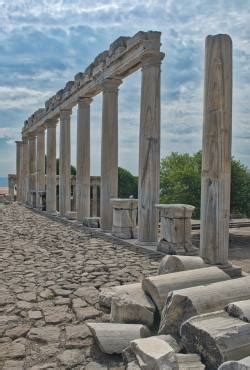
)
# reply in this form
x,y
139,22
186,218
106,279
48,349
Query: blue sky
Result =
x,y
44,43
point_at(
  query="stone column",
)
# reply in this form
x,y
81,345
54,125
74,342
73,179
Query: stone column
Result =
x,y
51,166
216,150
83,159
32,169
40,164
25,170
65,163
19,170
109,151
11,185
149,148
94,200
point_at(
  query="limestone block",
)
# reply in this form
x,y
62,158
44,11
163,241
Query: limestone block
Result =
x,y
176,263
175,231
70,215
218,337
93,222
132,306
124,218
240,309
190,361
185,303
106,294
114,338
243,364
153,353
158,287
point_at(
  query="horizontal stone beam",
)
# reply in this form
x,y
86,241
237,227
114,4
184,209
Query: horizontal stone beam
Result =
x,y
123,58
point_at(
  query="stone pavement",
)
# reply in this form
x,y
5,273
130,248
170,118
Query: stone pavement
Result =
x,y
50,275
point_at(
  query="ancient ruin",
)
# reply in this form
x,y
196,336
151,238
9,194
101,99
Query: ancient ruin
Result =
x,y
189,309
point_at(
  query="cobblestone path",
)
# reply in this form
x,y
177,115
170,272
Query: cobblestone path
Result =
x,y
50,275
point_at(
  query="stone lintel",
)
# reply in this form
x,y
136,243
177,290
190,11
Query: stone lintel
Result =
x,y
124,203
175,210
52,122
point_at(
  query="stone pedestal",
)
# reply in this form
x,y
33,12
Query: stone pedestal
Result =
x,y
124,218
216,150
83,159
51,166
109,152
175,231
65,163
40,165
149,148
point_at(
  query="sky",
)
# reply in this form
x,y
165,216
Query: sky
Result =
x,y
44,43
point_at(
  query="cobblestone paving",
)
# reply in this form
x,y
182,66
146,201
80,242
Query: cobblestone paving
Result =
x,y
50,275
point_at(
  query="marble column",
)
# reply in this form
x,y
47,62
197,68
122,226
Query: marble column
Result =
x,y
109,151
40,164
94,200
25,170
19,170
216,150
83,159
65,163
32,169
149,149
51,166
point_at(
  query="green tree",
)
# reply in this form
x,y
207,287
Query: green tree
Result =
x,y
181,183
127,184
73,169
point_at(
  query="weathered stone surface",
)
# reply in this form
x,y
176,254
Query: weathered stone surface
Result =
x,y
55,315
243,364
93,222
240,309
89,293
77,332
158,287
71,358
188,361
47,366
185,303
13,365
132,306
5,297
35,315
18,331
133,365
114,338
217,336
153,353
45,334
11,350
176,263
28,297
86,313
95,366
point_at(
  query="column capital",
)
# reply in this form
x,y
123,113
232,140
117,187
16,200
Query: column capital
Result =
x,y
19,142
52,122
84,101
152,58
40,130
65,113
31,136
111,84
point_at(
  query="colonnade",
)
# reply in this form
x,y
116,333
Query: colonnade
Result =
x,y
31,150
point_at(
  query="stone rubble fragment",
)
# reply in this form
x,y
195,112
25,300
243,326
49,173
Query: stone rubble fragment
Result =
x,y
216,336
114,338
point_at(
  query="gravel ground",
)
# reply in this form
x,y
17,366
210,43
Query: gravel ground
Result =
x,y
50,275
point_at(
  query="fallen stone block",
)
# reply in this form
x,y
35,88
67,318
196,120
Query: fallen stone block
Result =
x,y
217,337
106,294
93,222
170,264
185,303
158,287
243,364
240,309
132,306
114,338
153,353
